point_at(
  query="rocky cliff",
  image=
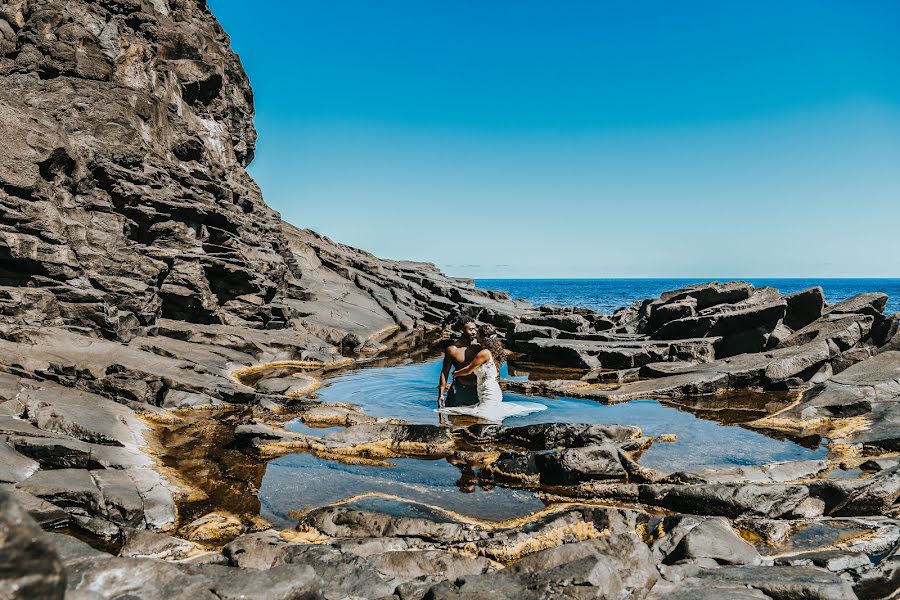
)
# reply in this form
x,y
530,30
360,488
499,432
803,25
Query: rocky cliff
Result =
x,y
127,127
141,272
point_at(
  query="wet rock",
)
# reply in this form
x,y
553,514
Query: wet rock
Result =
x,y
727,499
773,473
30,567
348,523
148,544
516,466
547,436
214,526
715,539
574,465
414,439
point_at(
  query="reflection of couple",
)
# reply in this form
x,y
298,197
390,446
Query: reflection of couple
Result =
x,y
476,358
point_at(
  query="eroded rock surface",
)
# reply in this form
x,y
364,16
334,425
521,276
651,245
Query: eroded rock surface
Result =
x,y
142,273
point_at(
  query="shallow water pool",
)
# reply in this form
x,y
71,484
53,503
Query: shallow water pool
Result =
x,y
300,482
410,392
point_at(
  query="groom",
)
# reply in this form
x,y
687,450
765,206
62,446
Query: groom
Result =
x,y
463,391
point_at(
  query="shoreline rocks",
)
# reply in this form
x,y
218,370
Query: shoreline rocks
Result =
x,y
145,283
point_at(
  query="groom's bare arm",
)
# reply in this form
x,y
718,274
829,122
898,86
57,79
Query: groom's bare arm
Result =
x,y
480,358
445,372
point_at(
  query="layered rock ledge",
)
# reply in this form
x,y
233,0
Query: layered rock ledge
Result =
x,y
155,315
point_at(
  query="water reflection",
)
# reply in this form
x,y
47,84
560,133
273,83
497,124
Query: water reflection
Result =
x,y
409,392
300,482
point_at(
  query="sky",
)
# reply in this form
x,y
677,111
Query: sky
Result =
x,y
592,138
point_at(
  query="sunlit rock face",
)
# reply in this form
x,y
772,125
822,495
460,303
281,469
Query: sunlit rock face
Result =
x,y
126,128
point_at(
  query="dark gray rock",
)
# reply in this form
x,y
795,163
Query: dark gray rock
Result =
x,y
14,467
710,294
875,495
715,539
845,330
665,313
573,465
803,307
871,303
784,583
764,317
618,565
573,323
47,515
30,567
727,499
547,436
832,560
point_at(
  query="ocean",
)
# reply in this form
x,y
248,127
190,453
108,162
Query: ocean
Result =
x,y
606,295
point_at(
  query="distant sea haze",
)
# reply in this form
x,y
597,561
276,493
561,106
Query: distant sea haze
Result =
x,y
606,295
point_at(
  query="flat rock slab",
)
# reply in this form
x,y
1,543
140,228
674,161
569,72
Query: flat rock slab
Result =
x,y
783,582
15,467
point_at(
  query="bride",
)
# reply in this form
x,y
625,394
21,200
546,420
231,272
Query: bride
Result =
x,y
486,367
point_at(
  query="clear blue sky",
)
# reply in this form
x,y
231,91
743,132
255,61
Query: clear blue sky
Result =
x,y
575,139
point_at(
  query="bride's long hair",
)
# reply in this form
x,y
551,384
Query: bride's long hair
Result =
x,y
490,340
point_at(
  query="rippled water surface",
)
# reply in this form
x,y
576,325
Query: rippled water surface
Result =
x,y
410,392
300,482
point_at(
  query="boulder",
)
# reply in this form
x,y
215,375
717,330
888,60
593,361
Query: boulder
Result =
x,y
871,303
14,467
547,436
763,317
570,322
617,566
665,313
727,499
30,567
579,464
803,307
778,583
715,539
844,330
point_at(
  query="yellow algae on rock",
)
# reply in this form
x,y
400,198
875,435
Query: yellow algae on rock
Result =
x,y
577,531
240,374
304,534
214,526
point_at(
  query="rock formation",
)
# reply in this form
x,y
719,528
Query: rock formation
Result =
x,y
141,272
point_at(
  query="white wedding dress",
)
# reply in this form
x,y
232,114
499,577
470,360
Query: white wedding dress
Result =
x,y
491,406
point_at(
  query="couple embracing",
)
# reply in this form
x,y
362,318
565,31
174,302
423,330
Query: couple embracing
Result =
x,y
475,391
